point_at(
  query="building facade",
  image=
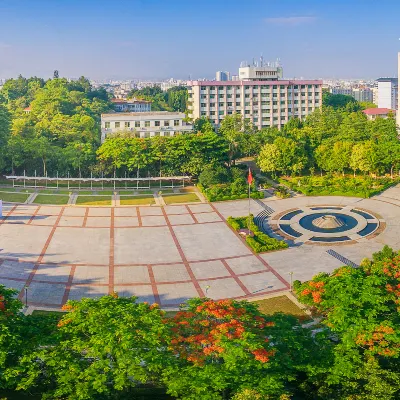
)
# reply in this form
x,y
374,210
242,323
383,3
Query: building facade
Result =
x,y
133,105
265,103
342,90
222,76
373,113
259,95
144,124
387,93
363,94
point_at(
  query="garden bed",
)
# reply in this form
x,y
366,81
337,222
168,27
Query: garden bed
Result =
x,y
260,242
330,185
13,197
94,200
51,199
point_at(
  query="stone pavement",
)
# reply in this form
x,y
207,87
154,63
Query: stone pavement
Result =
x,y
164,254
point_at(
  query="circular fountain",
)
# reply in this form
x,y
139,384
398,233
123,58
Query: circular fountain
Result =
x,y
328,222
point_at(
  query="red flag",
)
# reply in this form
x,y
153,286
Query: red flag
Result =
x,y
250,177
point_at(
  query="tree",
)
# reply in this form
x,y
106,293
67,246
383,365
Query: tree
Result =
x,y
203,124
363,157
223,347
339,101
104,346
360,310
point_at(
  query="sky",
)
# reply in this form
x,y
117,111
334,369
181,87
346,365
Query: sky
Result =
x,y
158,39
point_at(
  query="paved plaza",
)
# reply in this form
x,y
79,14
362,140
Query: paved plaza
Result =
x,y
168,254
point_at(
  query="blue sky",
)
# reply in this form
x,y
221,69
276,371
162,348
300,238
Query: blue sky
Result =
x,y
176,38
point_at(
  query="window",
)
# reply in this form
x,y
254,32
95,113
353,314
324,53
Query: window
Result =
x,y
283,102
247,112
282,86
127,124
203,104
166,133
247,96
275,103
303,86
303,102
247,103
275,110
275,87
156,133
176,122
255,103
265,103
221,113
212,112
107,125
303,109
137,124
229,87
203,96
156,123
238,95
247,87
296,86
221,96
147,134
212,96
166,123
275,95
229,96
255,119
230,104
117,124
212,87
310,94
309,86
147,124
229,112
221,104
238,104
203,88
203,113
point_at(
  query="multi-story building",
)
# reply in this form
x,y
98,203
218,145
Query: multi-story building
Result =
x,y
145,124
342,90
259,96
133,105
386,93
222,76
363,94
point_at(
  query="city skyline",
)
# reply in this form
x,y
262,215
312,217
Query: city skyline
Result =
x,y
156,40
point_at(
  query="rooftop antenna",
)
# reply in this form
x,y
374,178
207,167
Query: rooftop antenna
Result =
x,y
261,60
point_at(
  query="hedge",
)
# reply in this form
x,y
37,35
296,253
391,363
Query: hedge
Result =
x,y
260,242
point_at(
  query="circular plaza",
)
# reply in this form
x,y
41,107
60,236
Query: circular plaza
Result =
x,y
167,254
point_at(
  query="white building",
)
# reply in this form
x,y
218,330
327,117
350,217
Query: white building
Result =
x,y
259,95
342,90
222,76
133,105
144,124
386,93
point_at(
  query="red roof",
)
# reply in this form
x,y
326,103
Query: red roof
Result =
x,y
27,108
377,111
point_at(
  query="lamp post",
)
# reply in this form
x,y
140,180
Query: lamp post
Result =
x,y
291,281
207,287
26,296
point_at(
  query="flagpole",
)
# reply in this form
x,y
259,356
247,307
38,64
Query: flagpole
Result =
x,y
249,179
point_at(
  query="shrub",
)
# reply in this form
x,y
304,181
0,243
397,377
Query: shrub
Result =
x,y
260,242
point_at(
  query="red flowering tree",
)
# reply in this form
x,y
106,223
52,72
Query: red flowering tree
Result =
x,y
361,309
225,346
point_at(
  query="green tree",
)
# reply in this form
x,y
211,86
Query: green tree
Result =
x,y
103,347
364,157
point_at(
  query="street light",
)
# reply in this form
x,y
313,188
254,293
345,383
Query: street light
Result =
x,y
291,281
26,296
207,287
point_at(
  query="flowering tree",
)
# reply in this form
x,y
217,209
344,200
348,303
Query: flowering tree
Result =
x,y
361,310
225,346
103,346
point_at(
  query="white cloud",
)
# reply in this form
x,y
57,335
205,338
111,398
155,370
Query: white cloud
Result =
x,y
291,21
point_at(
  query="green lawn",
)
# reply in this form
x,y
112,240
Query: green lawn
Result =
x,y
51,199
14,197
136,200
281,304
16,189
94,200
181,198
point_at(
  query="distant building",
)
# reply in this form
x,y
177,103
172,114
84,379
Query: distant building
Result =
x,y
363,94
386,95
397,108
373,113
259,95
222,76
144,124
133,105
342,90
27,110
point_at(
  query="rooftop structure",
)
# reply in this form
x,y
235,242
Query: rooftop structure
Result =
x,y
132,105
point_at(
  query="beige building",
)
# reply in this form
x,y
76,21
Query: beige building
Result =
x,y
258,95
145,124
